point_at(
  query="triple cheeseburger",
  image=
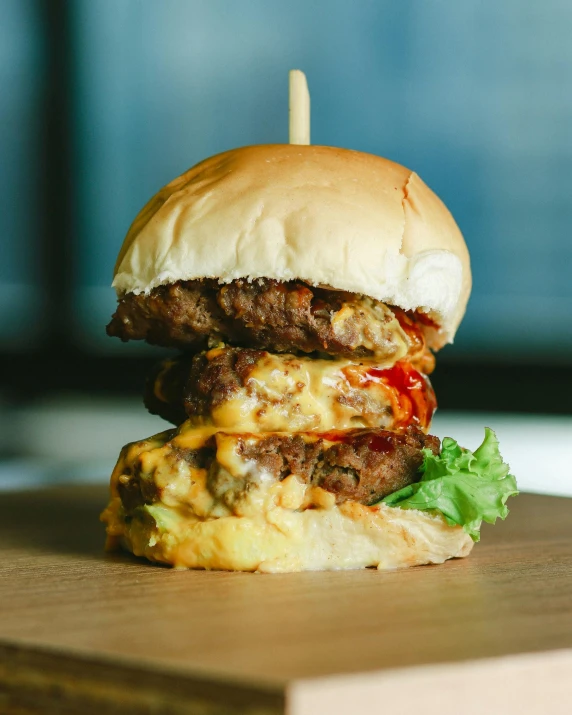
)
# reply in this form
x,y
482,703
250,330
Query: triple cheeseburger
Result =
x,y
305,289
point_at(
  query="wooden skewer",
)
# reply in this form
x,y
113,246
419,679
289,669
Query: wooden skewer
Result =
x,y
299,113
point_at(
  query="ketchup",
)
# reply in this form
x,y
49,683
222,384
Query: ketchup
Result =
x,y
412,391
375,441
380,443
413,323
401,376
409,319
408,323
337,435
424,319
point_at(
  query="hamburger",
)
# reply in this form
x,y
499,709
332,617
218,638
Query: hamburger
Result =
x,y
305,290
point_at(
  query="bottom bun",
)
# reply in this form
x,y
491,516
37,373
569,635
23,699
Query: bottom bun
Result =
x,y
280,539
252,522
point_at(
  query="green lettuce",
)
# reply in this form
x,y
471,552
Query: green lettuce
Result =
x,y
466,487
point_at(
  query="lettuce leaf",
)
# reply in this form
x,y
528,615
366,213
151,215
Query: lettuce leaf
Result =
x,y
467,488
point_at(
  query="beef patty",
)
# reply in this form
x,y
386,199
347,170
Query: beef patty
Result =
x,y
269,314
361,465
257,391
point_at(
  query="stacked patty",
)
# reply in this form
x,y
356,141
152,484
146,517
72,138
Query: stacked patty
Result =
x,y
325,385
268,392
358,465
271,315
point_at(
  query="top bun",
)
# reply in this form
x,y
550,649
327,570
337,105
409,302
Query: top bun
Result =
x,y
330,217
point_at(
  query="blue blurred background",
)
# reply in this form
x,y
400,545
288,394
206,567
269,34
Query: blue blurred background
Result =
x,y
104,102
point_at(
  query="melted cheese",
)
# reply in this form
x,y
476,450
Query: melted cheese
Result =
x,y
285,393
366,323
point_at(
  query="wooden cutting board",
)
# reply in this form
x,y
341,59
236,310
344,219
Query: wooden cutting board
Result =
x,y
85,632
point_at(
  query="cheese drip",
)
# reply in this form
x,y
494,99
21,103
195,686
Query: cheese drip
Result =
x,y
293,394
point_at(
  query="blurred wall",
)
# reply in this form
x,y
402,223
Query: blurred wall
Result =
x,y
21,83
473,96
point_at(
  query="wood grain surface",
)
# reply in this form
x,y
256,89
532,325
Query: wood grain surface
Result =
x,y
84,631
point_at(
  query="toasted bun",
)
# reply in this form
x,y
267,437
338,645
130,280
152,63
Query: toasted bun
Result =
x,y
327,216
235,516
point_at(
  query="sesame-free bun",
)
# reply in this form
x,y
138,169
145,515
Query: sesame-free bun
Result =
x,y
280,539
326,216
